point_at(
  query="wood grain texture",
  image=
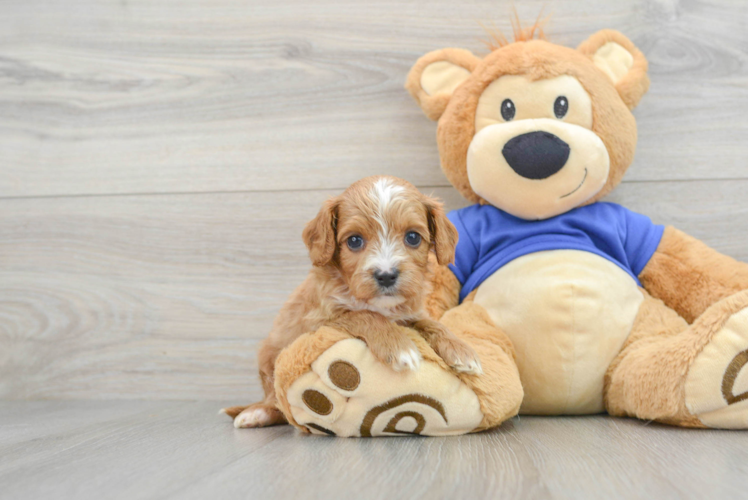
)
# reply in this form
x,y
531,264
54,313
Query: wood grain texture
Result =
x,y
174,450
101,97
167,296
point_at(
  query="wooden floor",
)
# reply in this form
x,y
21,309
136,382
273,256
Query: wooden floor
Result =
x,y
182,450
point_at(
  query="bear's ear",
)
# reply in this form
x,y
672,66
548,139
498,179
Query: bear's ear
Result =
x,y
621,61
433,78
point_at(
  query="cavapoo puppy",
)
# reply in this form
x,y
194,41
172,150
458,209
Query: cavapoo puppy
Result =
x,y
370,249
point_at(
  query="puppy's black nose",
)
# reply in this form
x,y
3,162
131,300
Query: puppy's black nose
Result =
x,y
536,155
387,279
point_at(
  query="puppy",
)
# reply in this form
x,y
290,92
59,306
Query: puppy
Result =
x,y
370,249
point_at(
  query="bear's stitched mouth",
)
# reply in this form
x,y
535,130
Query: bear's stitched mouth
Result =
x,y
579,186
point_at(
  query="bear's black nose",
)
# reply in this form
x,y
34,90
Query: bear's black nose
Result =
x,y
536,155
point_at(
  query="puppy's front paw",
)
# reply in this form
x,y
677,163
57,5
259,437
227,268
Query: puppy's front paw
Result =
x,y
406,360
399,354
459,356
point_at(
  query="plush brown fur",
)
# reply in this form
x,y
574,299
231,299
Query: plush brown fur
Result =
x,y
647,380
499,389
689,276
654,323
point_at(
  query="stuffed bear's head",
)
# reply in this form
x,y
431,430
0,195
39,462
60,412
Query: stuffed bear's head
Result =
x,y
534,128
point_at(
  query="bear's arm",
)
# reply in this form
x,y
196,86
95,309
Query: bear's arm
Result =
x,y
445,290
688,276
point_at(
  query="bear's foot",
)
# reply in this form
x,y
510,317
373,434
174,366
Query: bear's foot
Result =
x,y
329,382
348,392
716,387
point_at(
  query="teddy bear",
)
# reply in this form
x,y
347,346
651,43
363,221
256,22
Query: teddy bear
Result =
x,y
574,305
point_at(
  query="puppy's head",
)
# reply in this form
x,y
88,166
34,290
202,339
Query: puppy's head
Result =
x,y
378,235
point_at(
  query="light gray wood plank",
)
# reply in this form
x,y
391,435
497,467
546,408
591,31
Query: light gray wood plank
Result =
x,y
158,96
140,450
167,296
20,420
184,450
531,457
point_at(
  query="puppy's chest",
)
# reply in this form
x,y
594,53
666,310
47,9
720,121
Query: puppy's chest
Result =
x,y
567,313
403,314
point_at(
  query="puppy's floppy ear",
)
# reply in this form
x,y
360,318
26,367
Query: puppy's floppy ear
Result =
x,y
320,233
617,57
443,233
434,77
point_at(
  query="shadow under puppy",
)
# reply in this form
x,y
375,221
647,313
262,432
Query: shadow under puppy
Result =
x,y
370,248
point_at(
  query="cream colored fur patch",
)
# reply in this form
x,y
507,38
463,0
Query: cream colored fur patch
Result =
x,y
567,313
442,76
719,374
367,397
613,60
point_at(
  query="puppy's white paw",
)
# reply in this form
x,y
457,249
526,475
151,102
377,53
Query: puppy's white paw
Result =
x,y
407,360
259,416
459,356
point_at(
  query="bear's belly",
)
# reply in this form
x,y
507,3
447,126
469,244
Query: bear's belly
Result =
x,y
567,313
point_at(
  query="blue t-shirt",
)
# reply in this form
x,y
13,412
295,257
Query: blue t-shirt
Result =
x,y
491,238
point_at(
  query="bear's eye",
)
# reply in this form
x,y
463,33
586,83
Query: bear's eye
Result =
x,y
561,106
508,110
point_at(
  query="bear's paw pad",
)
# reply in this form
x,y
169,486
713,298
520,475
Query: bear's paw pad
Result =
x,y
349,393
717,381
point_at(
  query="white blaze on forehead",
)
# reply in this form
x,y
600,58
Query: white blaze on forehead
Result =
x,y
387,253
384,193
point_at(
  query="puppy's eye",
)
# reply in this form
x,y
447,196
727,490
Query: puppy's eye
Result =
x,y
508,110
561,106
412,239
355,242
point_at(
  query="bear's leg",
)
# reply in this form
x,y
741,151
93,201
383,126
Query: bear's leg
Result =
x,y
329,382
499,388
688,375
